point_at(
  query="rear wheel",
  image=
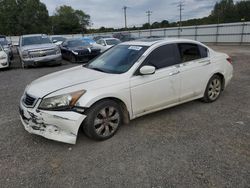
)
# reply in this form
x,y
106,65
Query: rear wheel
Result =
x,y
103,120
213,90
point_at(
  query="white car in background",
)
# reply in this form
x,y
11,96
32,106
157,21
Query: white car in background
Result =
x,y
4,59
58,40
108,42
128,81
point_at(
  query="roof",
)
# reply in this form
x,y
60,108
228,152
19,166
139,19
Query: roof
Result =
x,y
33,35
152,41
110,38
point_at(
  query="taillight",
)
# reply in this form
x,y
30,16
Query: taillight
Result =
x,y
229,59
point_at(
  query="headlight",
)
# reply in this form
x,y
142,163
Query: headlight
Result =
x,y
61,102
3,57
25,54
74,52
58,51
6,49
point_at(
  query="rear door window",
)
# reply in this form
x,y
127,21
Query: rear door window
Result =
x,y
163,56
189,52
203,51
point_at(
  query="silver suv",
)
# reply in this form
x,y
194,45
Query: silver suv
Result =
x,y
38,49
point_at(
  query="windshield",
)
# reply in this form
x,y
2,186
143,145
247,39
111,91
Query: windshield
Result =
x,y
91,41
35,40
77,43
118,59
112,42
58,39
3,41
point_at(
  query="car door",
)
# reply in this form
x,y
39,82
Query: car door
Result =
x,y
194,70
161,89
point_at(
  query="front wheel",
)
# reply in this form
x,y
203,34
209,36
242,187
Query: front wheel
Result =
x,y
103,120
72,58
213,90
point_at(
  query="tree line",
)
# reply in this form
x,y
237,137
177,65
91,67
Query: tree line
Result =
x,y
19,17
31,16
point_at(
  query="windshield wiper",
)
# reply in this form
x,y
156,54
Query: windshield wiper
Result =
x,y
97,69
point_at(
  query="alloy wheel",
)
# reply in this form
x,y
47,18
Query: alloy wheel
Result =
x,y
214,89
107,121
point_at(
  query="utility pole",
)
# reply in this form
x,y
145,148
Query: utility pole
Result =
x,y
125,15
148,15
181,5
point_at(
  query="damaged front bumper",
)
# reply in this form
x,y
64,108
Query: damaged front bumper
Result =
x,y
61,126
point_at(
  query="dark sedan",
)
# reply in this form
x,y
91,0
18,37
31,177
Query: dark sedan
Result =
x,y
76,50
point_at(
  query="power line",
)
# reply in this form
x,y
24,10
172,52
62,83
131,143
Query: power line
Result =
x,y
148,15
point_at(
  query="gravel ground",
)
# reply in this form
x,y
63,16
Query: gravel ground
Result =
x,y
191,145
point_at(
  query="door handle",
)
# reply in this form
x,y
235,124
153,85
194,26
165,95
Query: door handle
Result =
x,y
174,73
206,62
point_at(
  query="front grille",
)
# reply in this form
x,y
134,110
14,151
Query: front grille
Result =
x,y
42,53
29,100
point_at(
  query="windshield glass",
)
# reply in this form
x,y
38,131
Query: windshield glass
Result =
x,y
3,41
77,43
89,40
58,39
112,42
118,59
35,40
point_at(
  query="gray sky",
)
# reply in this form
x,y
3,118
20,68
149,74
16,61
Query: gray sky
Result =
x,y
109,13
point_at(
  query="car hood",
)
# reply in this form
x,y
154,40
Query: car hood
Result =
x,y
38,46
79,48
63,79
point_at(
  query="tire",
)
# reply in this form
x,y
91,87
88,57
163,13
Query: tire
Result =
x,y
72,58
103,120
24,66
213,89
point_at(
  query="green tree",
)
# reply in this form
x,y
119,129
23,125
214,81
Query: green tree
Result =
x,y
66,20
23,17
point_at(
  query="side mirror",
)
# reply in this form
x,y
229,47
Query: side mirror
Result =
x,y
54,41
147,70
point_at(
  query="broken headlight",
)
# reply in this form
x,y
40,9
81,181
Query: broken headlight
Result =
x,y
61,102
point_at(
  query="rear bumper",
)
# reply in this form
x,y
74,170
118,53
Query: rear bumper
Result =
x,y
53,59
55,125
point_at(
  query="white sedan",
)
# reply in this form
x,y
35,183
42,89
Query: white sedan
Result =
x,y
4,59
108,43
130,80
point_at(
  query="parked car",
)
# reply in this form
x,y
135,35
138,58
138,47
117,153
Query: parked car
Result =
x,y
38,49
4,59
96,38
124,37
76,50
58,40
128,81
6,46
88,40
108,42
